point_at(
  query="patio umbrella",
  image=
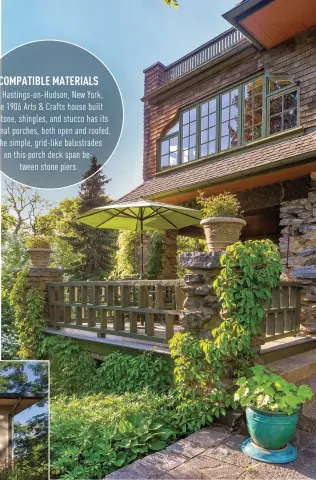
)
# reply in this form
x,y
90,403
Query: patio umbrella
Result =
x,y
140,216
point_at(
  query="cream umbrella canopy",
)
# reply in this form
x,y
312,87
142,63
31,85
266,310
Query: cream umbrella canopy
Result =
x,y
140,216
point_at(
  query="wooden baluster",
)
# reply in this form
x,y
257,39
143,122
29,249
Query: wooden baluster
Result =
x,y
91,317
124,295
160,296
179,297
67,314
169,320
84,294
150,324
142,299
109,295
133,322
119,323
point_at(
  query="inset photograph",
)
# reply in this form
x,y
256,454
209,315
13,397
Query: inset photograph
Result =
x,y
24,420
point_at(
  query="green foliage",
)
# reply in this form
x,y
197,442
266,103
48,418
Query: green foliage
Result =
x,y
37,241
74,371
98,434
28,307
267,391
96,247
57,225
223,205
155,255
126,258
249,271
7,223
9,338
120,373
172,3
31,448
14,255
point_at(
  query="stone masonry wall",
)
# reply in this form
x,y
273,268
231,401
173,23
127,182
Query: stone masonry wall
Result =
x,y
298,250
297,57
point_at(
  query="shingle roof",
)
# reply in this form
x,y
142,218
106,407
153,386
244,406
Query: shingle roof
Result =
x,y
243,163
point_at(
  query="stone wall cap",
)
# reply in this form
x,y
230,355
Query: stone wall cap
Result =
x,y
200,260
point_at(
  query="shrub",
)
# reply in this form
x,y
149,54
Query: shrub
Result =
x,y
223,205
93,436
266,390
37,242
120,373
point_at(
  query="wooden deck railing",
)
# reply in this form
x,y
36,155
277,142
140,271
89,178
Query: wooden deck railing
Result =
x,y
207,52
149,310
144,310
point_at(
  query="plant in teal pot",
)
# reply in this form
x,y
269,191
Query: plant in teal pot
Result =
x,y
272,410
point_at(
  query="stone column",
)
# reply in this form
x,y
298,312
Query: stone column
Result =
x,y
169,261
298,250
201,312
40,276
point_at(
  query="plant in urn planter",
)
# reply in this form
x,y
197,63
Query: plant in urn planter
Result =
x,y
222,222
272,410
39,250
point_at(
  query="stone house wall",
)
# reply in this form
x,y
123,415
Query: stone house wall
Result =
x,y
296,57
298,250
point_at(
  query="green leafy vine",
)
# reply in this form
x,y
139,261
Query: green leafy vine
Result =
x,y
28,305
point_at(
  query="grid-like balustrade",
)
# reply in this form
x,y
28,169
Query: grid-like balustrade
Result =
x,y
283,312
146,310
207,52
149,310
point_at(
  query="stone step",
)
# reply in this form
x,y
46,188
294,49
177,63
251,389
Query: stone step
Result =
x,y
307,420
297,367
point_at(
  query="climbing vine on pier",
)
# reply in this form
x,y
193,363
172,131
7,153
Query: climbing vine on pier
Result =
x,y
249,272
28,306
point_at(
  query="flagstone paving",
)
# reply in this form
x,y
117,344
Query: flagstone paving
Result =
x,y
215,453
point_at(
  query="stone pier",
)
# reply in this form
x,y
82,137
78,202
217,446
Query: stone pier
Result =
x,y
201,312
298,250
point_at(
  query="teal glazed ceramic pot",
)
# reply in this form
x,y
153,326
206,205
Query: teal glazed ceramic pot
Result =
x,y
271,430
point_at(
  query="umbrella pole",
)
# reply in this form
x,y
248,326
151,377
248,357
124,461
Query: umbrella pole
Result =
x,y
142,246
142,255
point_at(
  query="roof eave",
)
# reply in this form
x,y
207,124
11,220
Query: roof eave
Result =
x,y
242,11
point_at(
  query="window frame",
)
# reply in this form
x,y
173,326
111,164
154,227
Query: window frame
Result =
x,y
266,96
168,138
277,93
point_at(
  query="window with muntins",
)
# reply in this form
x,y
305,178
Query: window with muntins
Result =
x,y
260,107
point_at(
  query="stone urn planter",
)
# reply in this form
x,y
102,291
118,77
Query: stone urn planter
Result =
x,y
221,220
220,232
39,256
39,251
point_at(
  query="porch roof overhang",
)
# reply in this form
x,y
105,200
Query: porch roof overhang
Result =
x,y
267,23
17,402
245,168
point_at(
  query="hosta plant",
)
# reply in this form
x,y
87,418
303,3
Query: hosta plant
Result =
x,y
268,391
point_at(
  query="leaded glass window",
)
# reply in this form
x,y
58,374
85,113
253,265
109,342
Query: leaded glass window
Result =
x,y
253,95
283,112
